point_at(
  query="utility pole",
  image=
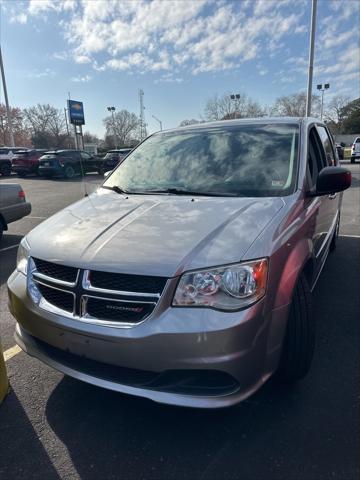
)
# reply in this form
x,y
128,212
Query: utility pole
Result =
x,y
159,121
311,57
112,110
143,133
320,87
12,142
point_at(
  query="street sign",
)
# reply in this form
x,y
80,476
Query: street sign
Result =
x,y
76,112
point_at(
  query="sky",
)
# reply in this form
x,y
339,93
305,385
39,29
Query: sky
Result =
x,y
179,52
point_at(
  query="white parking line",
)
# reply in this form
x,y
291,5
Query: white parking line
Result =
x,y
9,248
11,352
350,236
39,218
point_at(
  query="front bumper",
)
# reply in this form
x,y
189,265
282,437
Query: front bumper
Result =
x,y
161,358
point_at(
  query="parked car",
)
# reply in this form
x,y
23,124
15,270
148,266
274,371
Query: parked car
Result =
x,y
26,162
115,157
6,156
68,163
13,204
340,151
186,278
355,150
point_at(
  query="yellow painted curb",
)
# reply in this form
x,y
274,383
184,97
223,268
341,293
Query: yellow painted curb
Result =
x,y
4,382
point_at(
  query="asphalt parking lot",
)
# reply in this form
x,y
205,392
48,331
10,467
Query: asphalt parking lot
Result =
x,y
53,426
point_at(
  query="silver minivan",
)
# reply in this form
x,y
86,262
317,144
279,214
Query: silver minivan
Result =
x,y
186,278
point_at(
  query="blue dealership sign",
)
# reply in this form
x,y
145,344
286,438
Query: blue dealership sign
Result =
x,y
76,112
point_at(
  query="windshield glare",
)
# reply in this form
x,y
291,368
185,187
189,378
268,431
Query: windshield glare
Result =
x,y
251,160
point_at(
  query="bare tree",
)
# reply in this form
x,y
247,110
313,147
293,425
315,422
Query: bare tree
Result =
x,y
187,122
225,108
91,138
334,113
47,125
294,105
125,125
22,135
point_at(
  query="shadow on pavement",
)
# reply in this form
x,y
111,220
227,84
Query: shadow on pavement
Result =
x,y
24,456
303,431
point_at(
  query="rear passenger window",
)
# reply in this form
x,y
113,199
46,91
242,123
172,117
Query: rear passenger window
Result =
x,y
327,144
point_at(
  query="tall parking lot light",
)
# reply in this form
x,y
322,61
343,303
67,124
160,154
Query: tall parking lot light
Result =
x,y
9,122
236,98
320,87
311,57
159,121
112,110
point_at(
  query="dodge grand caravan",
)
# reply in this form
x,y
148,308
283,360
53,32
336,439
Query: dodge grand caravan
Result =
x,y
186,278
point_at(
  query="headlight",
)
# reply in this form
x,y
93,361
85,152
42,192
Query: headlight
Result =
x,y
225,288
22,256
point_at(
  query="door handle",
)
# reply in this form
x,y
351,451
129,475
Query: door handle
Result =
x,y
332,196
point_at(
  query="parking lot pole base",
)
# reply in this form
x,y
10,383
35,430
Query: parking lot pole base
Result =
x,y
4,382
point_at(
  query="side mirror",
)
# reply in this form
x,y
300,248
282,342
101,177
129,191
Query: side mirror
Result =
x,y
106,174
331,180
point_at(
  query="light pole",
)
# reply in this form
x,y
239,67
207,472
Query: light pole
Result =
x,y
12,142
112,110
236,98
320,87
160,122
311,57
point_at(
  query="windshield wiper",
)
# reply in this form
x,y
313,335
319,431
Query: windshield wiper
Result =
x,y
115,189
181,191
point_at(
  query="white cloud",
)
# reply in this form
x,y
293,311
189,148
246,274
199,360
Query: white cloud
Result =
x,y
19,18
178,37
81,79
159,36
48,72
82,59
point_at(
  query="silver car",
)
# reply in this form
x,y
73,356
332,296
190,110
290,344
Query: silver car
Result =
x,y
186,278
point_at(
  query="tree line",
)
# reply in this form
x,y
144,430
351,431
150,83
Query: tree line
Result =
x,y
45,126
341,114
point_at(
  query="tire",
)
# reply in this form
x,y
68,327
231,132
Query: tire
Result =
x,y
352,160
299,342
335,236
5,170
22,174
69,172
1,230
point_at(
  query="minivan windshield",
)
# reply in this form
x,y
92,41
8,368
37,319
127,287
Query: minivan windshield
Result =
x,y
241,160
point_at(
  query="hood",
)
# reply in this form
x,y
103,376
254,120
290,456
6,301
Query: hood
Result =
x,y
152,235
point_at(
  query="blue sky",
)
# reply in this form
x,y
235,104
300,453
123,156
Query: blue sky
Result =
x,y
179,52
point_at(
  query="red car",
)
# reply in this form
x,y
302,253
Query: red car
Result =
x,y
26,162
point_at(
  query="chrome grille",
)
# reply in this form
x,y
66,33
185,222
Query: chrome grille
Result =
x,y
59,298
56,271
128,283
71,291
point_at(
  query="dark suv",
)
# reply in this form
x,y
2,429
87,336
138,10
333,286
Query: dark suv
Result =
x,y
6,156
68,163
26,162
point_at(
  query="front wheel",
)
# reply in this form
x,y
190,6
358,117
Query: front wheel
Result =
x,y
352,160
299,342
69,172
